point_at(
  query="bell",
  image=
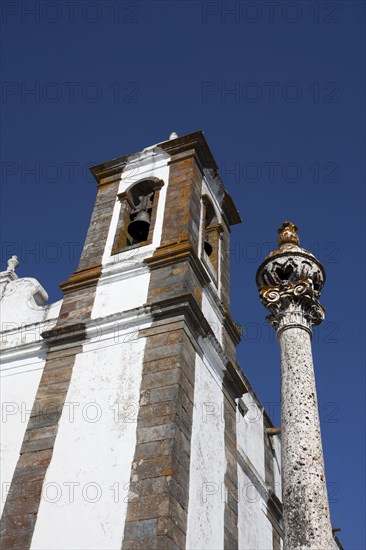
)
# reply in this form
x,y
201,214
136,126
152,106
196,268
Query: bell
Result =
x,y
207,247
139,227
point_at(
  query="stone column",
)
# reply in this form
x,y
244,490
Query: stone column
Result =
x,y
290,281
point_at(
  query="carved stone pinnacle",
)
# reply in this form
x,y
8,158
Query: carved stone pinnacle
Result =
x,y
290,281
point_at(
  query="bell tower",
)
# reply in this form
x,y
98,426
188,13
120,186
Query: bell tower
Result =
x,y
117,449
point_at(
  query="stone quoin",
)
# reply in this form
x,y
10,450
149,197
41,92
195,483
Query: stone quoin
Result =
x,y
127,422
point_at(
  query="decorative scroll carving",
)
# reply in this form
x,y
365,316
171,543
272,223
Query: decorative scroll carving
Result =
x,y
292,303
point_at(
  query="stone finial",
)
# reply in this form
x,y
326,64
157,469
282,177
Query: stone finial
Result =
x,y
8,275
173,135
287,234
13,263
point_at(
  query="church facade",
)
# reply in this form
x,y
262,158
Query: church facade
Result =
x,y
126,420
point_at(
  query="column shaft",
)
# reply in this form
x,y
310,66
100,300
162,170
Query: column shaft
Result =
x,y
305,502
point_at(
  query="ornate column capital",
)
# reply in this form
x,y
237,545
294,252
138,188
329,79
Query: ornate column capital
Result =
x,y
290,281
292,304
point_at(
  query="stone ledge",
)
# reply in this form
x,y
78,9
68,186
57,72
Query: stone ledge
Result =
x,y
82,279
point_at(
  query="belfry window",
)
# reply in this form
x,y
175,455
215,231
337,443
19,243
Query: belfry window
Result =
x,y
211,231
137,215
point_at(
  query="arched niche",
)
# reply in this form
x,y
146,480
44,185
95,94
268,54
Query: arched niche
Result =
x,y
138,203
211,231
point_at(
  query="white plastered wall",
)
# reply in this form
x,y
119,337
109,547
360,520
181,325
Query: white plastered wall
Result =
x,y
19,380
254,527
85,492
250,435
213,316
276,443
205,526
23,319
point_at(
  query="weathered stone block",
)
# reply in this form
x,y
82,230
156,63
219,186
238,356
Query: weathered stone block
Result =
x,y
155,433
167,393
141,529
148,507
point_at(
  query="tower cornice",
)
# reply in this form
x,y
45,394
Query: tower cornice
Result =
x,y
190,145
194,141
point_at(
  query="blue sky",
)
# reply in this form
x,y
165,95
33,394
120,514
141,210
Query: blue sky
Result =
x,y
278,89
